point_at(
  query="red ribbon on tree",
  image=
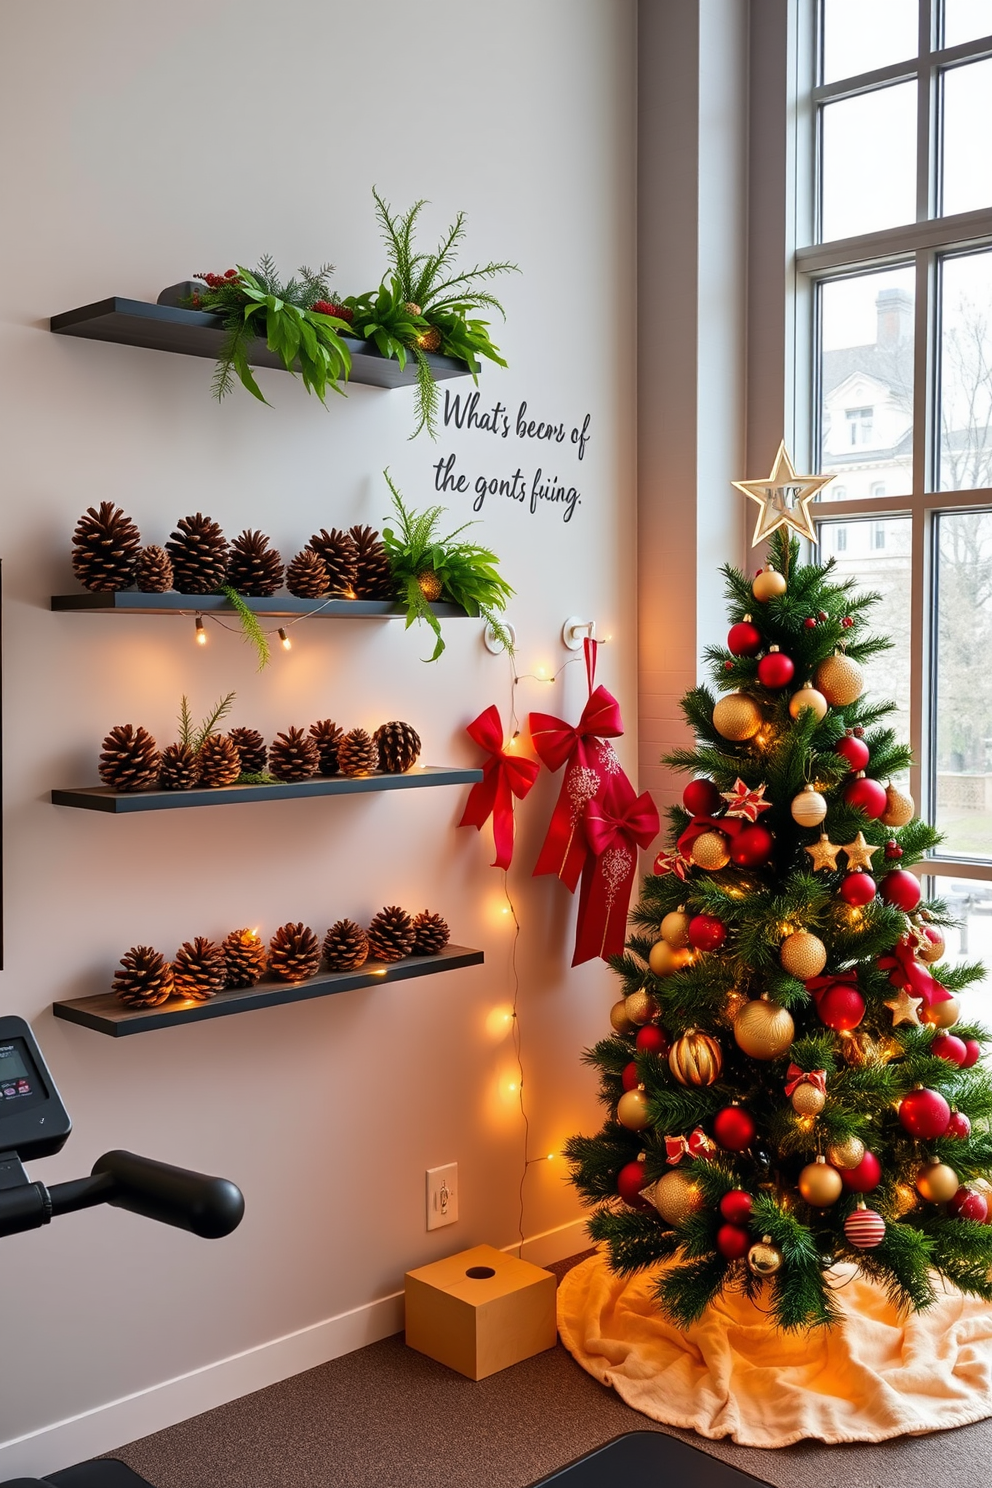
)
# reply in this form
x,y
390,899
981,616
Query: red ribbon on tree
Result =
x,y
796,1077
615,828
589,763
697,1144
504,775
905,971
728,825
819,984
667,862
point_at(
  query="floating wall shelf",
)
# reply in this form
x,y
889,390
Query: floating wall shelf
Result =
x,y
195,333
107,1014
133,602
103,798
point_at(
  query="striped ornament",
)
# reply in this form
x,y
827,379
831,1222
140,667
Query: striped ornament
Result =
x,y
864,1229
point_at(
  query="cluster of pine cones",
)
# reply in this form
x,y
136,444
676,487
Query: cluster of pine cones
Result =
x,y
107,554
131,761
202,968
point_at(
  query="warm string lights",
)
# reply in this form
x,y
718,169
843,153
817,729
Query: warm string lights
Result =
x,y
281,632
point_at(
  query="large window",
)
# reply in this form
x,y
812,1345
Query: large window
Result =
x,y
895,282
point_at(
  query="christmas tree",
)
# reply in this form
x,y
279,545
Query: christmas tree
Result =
x,y
787,1084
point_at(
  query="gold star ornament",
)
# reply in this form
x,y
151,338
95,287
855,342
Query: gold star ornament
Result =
x,y
783,498
859,853
905,1009
824,854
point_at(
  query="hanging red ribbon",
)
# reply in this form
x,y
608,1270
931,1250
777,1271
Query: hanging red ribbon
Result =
x,y
504,775
819,984
589,763
796,1077
905,971
615,828
728,825
697,1144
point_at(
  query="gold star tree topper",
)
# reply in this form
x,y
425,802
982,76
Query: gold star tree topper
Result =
x,y
784,498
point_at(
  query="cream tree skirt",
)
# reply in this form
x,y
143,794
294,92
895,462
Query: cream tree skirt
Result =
x,y
876,1376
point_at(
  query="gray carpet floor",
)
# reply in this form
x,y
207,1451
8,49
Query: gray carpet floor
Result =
x,y
387,1417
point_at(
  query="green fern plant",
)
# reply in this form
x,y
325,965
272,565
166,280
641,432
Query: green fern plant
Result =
x,y
195,735
428,566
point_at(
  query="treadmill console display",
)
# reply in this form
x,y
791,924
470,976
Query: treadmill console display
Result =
x,y
19,1080
33,1120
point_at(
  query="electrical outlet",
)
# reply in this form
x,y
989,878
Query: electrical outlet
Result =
x,y
442,1196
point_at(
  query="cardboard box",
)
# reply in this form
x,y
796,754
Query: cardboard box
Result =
x,y
480,1311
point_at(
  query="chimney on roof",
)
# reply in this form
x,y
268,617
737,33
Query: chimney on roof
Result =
x,y
895,317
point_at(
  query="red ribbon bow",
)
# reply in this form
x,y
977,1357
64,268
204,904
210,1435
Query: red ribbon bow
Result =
x,y
728,825
615,828
819,984
504,775
795,1077
905,971
697,1144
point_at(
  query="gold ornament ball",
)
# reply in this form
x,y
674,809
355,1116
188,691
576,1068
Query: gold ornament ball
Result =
x,y
802,955
764,1030
632,1109
807,1100
899,808
737,716
937,1183
675,1197
840,679
618,1017
808,697
695,1059
709,851
675,929
641,1007
820,1184
932,950
764,1258
664,961
846,1154
768,584
941,1014
808,808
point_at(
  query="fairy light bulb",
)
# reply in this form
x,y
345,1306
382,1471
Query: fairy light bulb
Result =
x,y
284,640
201,631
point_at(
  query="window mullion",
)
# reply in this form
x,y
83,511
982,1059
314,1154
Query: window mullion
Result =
x,y
926,118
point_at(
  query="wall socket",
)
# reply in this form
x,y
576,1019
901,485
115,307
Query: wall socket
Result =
x,y
442,1196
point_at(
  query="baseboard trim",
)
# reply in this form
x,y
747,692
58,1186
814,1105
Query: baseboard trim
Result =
x,y
106,1427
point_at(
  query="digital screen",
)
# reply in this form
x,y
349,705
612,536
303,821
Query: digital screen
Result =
x,y
17,1078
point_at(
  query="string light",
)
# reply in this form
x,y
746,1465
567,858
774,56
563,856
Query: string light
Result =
x,y
201,632
284,640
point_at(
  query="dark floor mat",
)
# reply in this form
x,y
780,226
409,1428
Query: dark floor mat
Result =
x,y
648,1457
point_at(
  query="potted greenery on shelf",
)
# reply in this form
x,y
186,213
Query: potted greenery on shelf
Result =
x,y
428,567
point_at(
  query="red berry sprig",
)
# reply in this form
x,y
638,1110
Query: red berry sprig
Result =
x,y
217,281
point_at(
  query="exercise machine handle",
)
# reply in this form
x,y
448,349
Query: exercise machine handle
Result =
x,y
209,1207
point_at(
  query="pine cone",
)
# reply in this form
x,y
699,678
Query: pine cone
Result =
x,y
144,978
306,576
340,557
199,970
430,934
253,567
130,759
375,577
346,946
398,744
358,754
294,953
105,548
220,762
293,756
327,736
198,550
179,768
154,572
251,748
391,934
244,958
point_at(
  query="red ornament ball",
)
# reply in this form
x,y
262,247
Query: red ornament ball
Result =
x,y
822,615
973,1053
892,850
732,1242
701,798
846,623
736,1206
629,1076
858,889
652,1040
948,1046
841,1007
706,932
901,889
776,670
734,1129
744,639
866,795
959,1126
866,1176
810,622
924,1114
855,751
752,847
631,1178
728,666
864,1229
968,1203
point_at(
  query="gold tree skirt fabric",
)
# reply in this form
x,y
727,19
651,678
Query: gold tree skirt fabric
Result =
x,y
877,1375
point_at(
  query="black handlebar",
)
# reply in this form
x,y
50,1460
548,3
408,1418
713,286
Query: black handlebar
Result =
x,y
208,1207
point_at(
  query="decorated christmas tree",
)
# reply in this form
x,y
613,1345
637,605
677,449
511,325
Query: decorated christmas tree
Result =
x,y
788,1085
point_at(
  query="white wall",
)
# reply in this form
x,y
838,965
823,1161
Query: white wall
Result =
x,y
143,142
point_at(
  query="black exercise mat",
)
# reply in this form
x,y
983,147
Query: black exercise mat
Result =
x,y
660,1459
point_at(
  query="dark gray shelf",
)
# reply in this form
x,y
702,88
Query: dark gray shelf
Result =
x,y
195,333
103,798
133,602
106,1014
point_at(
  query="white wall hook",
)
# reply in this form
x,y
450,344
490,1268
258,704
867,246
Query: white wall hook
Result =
x,y
575,631
491,640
